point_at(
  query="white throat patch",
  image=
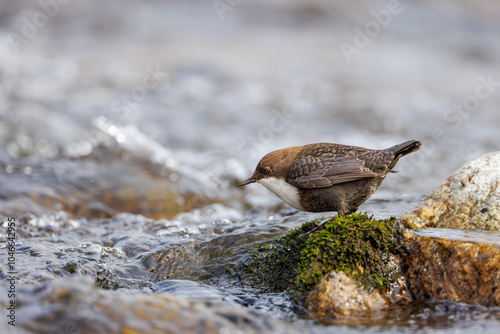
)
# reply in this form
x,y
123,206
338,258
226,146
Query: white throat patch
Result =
x,y
288,193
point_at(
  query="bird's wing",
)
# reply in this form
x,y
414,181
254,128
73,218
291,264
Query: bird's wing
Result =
x,y
326,169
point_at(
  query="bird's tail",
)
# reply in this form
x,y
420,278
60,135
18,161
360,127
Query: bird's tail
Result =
x,y
401,150
405,148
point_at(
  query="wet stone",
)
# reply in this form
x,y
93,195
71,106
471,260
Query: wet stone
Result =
x,y
338,296
348,269
454,267
442,265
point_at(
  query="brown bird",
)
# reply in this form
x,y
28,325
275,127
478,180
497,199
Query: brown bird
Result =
x,y
327,177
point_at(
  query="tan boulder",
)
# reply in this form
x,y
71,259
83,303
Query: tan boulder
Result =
x,y
338,296
469,199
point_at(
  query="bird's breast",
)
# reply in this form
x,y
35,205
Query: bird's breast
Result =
x,y
284,190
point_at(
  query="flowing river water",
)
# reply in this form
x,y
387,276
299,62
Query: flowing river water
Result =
x,y
126,126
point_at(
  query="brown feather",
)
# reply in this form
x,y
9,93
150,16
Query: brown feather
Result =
x,y
326,170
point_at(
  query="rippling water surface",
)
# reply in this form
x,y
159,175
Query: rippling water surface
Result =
x,y
125,128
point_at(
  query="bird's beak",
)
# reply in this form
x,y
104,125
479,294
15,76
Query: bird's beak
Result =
x,y
247,181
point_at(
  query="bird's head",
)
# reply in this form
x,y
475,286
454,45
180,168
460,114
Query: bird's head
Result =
x,y
273,164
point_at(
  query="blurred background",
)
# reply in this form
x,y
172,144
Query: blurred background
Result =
x,y
125,127
158,107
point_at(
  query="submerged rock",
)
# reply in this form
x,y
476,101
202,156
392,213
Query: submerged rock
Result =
x,y
469,199
75,305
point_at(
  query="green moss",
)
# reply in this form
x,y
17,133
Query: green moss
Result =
x,y
356,244
272,267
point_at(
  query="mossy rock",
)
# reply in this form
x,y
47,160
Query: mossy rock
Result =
x,y
358,245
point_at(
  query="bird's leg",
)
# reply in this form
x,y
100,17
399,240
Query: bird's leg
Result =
x,y
317,228
347,211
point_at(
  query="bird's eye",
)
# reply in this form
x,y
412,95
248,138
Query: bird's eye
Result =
x,y
267,170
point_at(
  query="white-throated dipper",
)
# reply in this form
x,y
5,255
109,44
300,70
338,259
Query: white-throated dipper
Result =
x,y
327,177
